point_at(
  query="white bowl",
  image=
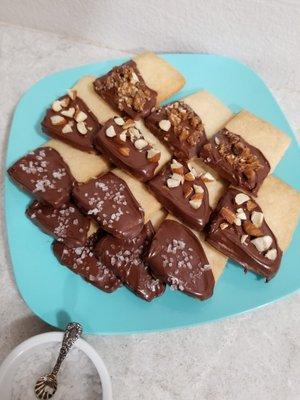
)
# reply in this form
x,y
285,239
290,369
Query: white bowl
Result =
x,y
9,364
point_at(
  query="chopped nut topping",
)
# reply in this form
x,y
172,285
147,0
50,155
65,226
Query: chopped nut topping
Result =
x,y
262,243
240,198
123,136
80,116
197,196
198,189
243,238
140,144
238,221
217,140
172,183
250,205
153,155
178,177
134,133
129,123
124,151
57,120
177,167
257,218
241,215
56,106
119,121
251,229
271,254
207,177
165,124
69,113
67,128
65,101
189,177
110,131
195,203
81,128
228,215
223,226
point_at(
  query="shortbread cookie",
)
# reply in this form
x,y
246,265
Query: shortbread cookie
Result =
x,y
69,119
236,160
125,259
267,138
44,174
183,193
185,124
177,258
239,230
141,193
157,218
67,224
124,87
83,262
108,200
82,165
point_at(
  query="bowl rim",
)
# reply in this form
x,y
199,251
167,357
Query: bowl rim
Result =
x,y
55,337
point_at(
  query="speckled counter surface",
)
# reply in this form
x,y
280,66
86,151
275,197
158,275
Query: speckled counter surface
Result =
x,y
256,355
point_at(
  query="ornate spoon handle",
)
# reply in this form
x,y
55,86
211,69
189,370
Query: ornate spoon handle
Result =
x,y
72,333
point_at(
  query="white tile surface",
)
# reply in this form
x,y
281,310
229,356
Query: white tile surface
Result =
x,y
256,355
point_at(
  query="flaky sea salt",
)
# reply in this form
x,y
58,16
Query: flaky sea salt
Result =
x,y
77,380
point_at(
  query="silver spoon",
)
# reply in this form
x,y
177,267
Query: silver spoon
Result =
x,y
46,385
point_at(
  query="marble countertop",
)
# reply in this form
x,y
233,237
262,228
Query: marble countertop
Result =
x,y
255,355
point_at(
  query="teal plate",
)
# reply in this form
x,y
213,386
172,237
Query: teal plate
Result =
x,y
56,295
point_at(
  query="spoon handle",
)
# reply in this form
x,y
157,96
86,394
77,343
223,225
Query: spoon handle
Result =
x,y
72,333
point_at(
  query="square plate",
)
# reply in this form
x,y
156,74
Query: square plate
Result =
x,y
57,295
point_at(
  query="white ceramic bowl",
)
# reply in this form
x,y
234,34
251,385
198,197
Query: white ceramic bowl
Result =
x,y
10,363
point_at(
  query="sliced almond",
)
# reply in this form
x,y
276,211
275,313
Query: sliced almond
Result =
x,y
195,204
129,123
257,218
80,116
69,113
123,136
187,192
153,155
228,215
81,128
243,238
251,229
223,225
72,94
241,215
184,135
172,183
56,106
164,124
134,78
207,177
65,101
240,198
119,121
134,133
198,189
110,131
271,254
177,177
140,144
57,120
124,151
197,196
238,221
189,177
177,167
262,243
67,129
217,140
250,205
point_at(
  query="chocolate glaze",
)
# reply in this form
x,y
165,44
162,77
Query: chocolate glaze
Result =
x,y
66,224
175,201
124,258
81,141
186,134
45,175
125,90
236,160
109,201
176,257
83,262
228,240
136,162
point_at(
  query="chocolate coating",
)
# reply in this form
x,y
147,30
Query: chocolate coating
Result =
x,y
44,174
83,262
231,242
186,133
124,258
125,90
76,139
109,201
66,224
236,160
133,160
177,258
177,199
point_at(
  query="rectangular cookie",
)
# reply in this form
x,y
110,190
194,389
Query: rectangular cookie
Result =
x,y
124,87
267,138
